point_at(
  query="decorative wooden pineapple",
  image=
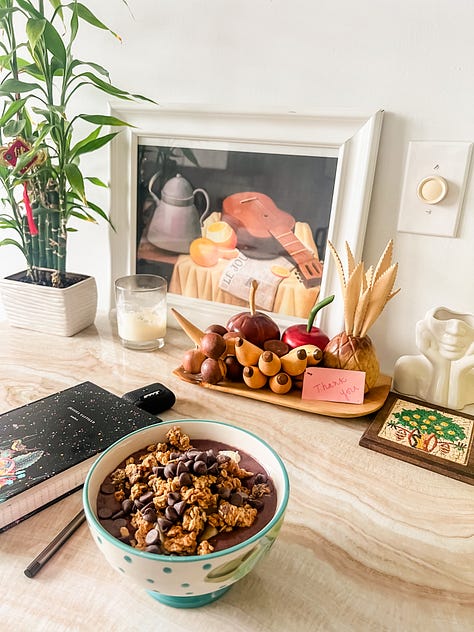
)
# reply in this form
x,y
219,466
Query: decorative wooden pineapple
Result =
x,y
365,294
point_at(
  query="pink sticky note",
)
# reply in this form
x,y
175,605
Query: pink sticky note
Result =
x,y
334,385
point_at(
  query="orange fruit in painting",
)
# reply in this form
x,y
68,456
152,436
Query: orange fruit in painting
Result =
x,y
204,252
222,234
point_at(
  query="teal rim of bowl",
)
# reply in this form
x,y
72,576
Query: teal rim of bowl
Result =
x,y
185,558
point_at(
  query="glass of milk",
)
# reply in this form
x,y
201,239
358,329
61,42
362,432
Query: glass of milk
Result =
x,y
141,311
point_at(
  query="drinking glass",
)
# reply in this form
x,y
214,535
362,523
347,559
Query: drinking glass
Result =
x,y
141,311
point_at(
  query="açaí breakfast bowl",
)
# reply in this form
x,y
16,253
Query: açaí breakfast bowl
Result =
x,y
198,505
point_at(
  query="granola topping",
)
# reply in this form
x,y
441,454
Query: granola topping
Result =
x,y
178,499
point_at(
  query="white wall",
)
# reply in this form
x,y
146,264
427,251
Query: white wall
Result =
x,y
413,59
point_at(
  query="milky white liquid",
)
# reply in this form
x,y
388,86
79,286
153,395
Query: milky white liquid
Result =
x,y
142,326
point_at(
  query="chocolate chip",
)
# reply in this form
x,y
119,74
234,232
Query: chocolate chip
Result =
x,y
118,514
104,512
171,514
182,468
158,471
107,488
170,469
149,515
238,499
145,498
224,492
213,468
127,505
261,478
152,537
120,522
199,468
257,503
185,479
180,507
164,524
153,548
222,458
173,498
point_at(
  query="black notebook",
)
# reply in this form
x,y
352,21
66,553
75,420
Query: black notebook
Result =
x,y
48,446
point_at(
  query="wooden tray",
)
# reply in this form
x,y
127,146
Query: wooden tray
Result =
x,y
373,400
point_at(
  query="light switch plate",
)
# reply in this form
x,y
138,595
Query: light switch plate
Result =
x,y
450,161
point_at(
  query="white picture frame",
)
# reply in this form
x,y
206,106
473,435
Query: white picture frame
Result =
x,y
354,140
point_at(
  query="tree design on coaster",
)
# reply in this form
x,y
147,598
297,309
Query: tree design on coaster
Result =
x,y
427,428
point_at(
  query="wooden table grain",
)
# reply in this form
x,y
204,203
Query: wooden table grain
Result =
x,y
369,543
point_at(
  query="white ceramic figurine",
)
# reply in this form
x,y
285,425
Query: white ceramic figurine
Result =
x,y
444,373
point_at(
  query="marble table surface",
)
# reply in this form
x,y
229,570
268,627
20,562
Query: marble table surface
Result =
x,y
369,543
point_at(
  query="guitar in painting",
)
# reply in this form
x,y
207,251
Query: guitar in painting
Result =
x,y
264,231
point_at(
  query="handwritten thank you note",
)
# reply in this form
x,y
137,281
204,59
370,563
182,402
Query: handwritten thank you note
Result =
x,y
334,385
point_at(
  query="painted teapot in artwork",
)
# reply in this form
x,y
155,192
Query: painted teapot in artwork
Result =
x,y
176,221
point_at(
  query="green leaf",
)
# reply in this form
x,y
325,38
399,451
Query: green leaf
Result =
x,y
99,211
82,214
11,242
7,222
105,87
32,70
74,26
95,144
57,67
13,128
97,181
85,140
86,14
34,30
6,11
29,8
76,180
100,119
140,97
54,43
91,64
11,110
10,86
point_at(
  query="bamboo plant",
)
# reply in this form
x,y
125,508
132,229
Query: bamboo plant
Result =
x,y
43,184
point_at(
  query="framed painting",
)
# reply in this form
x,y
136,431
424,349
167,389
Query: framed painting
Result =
x,y
215,199
433,437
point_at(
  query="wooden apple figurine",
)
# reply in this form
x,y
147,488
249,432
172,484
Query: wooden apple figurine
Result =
x,y
304,334
254,326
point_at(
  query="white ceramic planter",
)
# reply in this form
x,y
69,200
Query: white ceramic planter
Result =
x,y
60,311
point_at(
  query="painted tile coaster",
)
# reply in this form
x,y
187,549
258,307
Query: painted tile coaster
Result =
x,y
438,439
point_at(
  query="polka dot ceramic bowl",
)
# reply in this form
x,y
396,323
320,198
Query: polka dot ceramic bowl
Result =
x,y
186,581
